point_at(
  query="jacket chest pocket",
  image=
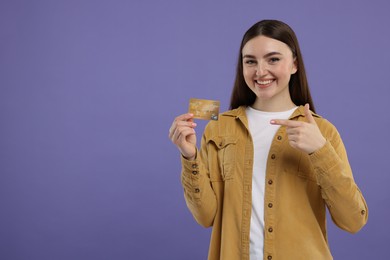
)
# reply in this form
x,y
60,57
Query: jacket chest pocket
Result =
x,y
225,152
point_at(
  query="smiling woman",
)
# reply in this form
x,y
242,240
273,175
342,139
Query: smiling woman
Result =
x,y
268,66
268,168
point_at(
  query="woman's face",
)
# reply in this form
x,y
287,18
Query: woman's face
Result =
x,y
267,67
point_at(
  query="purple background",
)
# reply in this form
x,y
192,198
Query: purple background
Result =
x,y
88,90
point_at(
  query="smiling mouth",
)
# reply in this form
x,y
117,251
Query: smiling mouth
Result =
x,y
264,82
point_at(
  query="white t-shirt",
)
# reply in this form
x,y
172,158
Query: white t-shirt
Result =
x,y
262,133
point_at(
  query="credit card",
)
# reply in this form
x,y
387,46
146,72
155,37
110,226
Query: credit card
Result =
x,y
204,109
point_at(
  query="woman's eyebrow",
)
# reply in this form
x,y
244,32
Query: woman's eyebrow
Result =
x,y
265,56
248,56
271,54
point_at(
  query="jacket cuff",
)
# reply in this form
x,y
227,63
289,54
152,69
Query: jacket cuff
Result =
x,y
191,178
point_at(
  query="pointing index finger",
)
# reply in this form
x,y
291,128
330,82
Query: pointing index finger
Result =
x,y
285,122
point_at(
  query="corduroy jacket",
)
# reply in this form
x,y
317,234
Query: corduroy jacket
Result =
x,y
218,191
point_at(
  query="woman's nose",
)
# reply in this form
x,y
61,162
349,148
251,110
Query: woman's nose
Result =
x,y
261,70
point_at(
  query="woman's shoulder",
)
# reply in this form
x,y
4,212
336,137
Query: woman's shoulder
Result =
x,y
226,121
326,127
234,113
323,123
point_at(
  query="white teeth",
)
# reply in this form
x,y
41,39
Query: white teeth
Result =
x,y
264,82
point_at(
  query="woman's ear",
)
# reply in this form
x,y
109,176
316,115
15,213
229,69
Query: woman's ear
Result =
x,y
295,66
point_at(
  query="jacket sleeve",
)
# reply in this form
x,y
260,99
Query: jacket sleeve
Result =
x,y
344,200
198,193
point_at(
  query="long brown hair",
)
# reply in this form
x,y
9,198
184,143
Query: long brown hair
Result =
x,y
298,85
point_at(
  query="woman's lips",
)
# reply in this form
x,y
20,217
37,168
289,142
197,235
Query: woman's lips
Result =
x,y
264,83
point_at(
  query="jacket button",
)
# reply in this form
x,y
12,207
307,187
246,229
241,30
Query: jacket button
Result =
x,y
279,137
273,156
194,172
270,229
270,205
269,257
270,182
363,212
194,166
197,190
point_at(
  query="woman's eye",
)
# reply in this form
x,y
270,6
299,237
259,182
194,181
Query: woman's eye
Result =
x,y
274,60
250,62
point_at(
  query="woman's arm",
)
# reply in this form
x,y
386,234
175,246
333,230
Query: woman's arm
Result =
x,y
195,178
334,175
198,193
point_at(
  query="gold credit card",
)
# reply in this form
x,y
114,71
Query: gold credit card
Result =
x,y
204,109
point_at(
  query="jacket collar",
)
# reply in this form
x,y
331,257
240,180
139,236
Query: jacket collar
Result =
x,y
239,113
300,111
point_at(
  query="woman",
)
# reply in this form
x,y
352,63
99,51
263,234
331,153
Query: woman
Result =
x,y
269,167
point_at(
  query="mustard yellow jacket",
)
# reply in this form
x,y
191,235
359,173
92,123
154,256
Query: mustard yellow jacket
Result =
x,y
299,187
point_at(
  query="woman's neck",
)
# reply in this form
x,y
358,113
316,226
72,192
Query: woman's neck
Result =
x,y
270,106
